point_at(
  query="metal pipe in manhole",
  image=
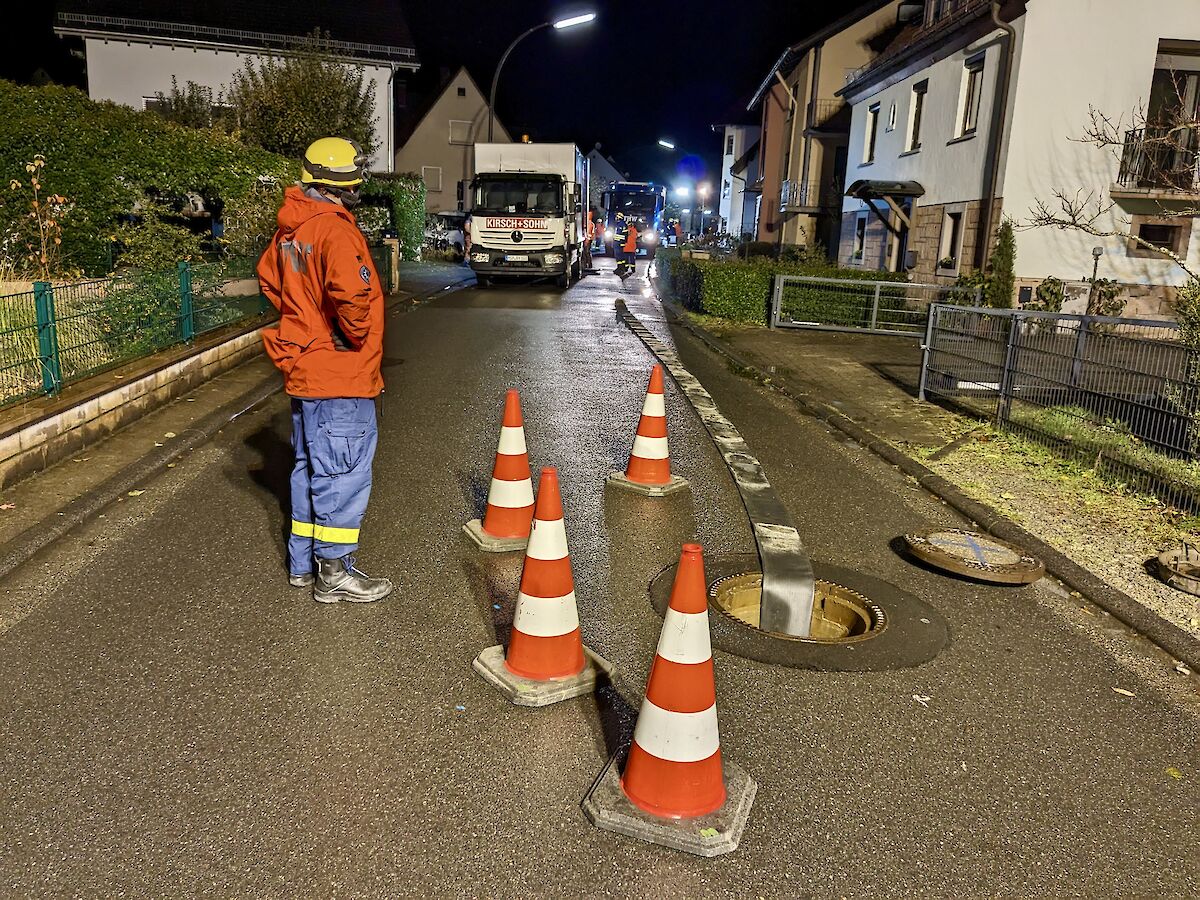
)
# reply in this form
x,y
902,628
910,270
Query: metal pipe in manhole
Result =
x,y
839,614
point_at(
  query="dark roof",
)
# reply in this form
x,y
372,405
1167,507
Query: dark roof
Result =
x,y
793,54
360,30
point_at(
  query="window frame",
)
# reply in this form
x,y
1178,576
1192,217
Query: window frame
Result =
x,y
871,137
450,136
858,250
971,95
950,241
916,113
425,179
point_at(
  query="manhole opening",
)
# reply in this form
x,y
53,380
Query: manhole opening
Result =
x,y
840,614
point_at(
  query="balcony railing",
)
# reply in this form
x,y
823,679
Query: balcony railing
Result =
x,y
1161,159
830,115
796,195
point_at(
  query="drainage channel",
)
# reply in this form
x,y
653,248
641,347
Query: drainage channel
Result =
x,y
783,607
788,585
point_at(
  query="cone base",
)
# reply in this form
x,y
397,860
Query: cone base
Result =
x,y
607,807
527,692
489,543
620,480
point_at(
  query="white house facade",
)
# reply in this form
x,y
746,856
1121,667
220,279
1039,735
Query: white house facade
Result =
x,y
735,141
129,61
960,112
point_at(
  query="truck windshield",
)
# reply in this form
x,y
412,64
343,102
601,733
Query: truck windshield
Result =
x,y
642,206
519,195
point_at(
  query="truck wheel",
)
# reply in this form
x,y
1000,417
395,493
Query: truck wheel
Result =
x,y
650,253
563,281
576,269
483,282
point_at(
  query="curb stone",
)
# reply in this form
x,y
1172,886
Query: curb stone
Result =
x,y
21,548
1166,634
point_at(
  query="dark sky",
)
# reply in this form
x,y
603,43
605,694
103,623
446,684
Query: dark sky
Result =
x,y
641,71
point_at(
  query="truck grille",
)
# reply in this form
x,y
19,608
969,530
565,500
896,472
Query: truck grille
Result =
x,y
501,239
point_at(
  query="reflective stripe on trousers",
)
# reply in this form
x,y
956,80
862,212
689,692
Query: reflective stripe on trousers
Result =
x,y
334,442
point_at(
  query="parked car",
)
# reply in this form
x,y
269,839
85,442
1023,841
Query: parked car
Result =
x,y
444,232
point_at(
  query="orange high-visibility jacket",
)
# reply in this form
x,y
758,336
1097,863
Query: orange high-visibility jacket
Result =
x,y
631,240
318,273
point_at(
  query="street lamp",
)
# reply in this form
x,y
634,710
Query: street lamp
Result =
x,y
666,144
701,193
558,25
682,191
1097,252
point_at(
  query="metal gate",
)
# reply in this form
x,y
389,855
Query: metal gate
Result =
x,y
872,307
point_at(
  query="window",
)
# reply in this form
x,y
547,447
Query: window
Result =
x,y
972,94
916,113
460,132
729,145
891,126
872,134
1165,237
153,104
951,245
860,239
462,92
1171,234
432,176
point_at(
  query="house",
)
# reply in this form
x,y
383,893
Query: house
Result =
x,y
805,127
604,172
133,48
437,139
959,122
736,140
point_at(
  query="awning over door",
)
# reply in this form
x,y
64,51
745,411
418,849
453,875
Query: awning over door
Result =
x,y
888,192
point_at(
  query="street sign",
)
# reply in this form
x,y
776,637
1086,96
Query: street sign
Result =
x,y
975,555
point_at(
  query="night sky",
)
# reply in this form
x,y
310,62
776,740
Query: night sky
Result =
x,y
640,72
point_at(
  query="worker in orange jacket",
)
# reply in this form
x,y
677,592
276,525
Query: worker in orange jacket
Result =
x,y
626,240
318,272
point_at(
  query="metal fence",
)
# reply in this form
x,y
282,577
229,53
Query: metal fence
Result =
x,y
58,334
1120,395
874,307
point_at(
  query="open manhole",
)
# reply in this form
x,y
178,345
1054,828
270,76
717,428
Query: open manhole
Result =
x,y
839,614
1180,568
860,623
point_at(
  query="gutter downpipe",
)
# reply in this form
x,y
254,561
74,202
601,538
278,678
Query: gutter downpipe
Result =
x,y
811,118
983,241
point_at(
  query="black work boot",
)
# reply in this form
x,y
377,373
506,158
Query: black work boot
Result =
x,y
301,581
338,579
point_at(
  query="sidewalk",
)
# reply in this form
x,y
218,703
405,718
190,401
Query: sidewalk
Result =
x,y
38,502
873,381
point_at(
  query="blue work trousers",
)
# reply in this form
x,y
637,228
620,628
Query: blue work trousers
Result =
x,y
335,443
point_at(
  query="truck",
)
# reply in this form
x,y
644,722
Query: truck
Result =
x,y
644,203
528,212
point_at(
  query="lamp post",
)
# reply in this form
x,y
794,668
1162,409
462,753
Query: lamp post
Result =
x,y
1097,252
702,195
558,25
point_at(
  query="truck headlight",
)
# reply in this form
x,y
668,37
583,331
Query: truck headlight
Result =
x,y
651,237
480,257
608,235
553,259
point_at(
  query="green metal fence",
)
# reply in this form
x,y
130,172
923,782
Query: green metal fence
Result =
x,y
58,334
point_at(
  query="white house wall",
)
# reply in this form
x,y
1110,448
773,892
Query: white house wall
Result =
x,y
128,71
1080,54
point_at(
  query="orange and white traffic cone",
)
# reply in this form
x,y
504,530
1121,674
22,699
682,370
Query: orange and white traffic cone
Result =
x,y
509,513
677,790
649,469
546,660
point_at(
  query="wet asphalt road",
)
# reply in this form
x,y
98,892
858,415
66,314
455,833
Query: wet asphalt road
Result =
x,y
175,720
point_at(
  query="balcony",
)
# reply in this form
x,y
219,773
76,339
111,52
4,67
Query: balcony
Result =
x,y
1160,163
811,197
830,116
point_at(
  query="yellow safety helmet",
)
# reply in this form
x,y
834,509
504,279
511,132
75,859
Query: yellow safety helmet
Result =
x,y
334,161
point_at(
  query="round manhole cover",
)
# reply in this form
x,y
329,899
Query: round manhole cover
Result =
x,y
1180,568
975,555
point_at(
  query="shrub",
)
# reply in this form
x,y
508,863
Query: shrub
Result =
x,y
404,194
1003,268
1049,296
109,160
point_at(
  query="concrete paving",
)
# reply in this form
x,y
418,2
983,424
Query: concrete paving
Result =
x,y
176,720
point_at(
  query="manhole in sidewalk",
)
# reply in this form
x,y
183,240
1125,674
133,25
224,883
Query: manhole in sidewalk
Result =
x,y
974,555
861,623
839,614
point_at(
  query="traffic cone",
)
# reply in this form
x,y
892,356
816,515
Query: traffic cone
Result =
x,y
649,469
509,514
677,790
546,660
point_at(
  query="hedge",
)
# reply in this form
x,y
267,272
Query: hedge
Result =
x,y
740,290
108,160
405,195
